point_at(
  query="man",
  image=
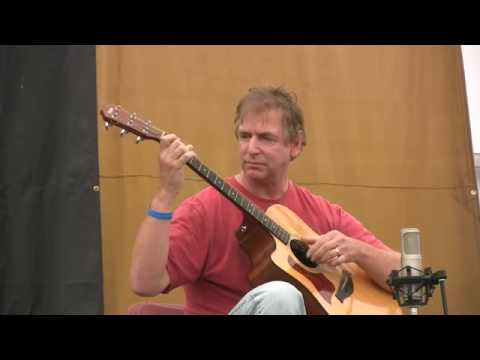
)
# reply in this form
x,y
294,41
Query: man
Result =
x,y
197,248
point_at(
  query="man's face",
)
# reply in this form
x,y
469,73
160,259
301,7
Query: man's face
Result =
x,y
265,151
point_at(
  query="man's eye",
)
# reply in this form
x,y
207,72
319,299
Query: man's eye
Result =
x,y
267,140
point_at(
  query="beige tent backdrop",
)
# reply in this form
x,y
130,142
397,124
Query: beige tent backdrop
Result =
x,y
388,139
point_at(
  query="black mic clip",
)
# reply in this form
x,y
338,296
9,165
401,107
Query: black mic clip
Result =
x,y
415,290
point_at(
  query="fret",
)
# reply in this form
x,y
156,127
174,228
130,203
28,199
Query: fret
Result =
x,y
209,177
195,165
278,232
285,236
270,225
275,228
226,188
242,202
250,208
269,222
255,212
213,177
278,235
238,199
281,233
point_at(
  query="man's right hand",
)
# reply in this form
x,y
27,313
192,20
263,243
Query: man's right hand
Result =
x,y
148,275
173,155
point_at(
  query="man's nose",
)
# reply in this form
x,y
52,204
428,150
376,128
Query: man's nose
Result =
x,y
253,145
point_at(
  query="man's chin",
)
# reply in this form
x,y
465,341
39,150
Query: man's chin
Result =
x,y
255,174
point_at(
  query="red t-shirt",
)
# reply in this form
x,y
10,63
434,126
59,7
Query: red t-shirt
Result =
x,y
204,255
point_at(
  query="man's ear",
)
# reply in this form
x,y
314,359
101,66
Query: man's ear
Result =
x,y
296,147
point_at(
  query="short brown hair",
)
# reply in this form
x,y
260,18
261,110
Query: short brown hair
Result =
x,y
262,99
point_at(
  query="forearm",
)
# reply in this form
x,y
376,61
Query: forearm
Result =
x,y
378,264
148,275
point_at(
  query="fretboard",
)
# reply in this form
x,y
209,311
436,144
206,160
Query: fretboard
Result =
x,y
239,200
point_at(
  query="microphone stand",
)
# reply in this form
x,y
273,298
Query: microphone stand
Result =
x,y
413,310
444,294
413,296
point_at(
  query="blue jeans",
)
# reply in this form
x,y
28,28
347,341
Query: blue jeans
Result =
x,y
272,298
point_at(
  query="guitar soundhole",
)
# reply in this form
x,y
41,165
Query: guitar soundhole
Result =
x,y
299,249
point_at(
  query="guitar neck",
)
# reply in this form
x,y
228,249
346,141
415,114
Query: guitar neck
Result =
x,y
131,122
239,200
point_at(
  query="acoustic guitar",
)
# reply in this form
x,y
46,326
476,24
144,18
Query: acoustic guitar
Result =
x,y
271,240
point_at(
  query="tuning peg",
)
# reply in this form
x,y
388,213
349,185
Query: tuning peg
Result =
x,y
123,132
139,139
107,125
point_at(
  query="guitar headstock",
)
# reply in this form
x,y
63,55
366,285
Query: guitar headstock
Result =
x,y
130,122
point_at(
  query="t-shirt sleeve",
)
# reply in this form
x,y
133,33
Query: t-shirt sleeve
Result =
x,y
350,226
188,244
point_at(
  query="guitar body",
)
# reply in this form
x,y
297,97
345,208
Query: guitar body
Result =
x,y
273,260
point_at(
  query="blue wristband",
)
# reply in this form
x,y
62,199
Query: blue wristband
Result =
x,y
160,215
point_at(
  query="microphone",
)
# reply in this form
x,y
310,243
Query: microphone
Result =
x,y
412,285
413,293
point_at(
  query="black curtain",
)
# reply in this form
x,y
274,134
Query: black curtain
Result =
x,y
50,247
